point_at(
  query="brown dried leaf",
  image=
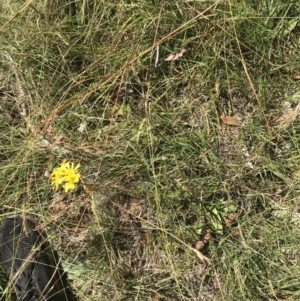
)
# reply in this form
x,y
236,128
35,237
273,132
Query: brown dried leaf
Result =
x,y
174,57
231,217
280,119
230,120
287,118
199,244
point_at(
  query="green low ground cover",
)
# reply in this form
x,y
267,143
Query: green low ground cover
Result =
x,y
164,173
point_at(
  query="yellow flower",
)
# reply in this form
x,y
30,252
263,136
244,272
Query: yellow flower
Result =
x,y
66,175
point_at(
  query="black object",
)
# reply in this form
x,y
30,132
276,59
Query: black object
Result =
x,y
31,264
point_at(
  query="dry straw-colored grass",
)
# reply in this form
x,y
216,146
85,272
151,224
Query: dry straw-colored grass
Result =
x,y
88,81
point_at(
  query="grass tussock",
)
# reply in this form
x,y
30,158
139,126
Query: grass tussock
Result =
x,y
87,81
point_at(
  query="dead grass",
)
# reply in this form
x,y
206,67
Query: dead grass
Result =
x,y
88,81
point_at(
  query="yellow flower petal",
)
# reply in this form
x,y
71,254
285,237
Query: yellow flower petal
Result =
x,y
66,175
68,186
